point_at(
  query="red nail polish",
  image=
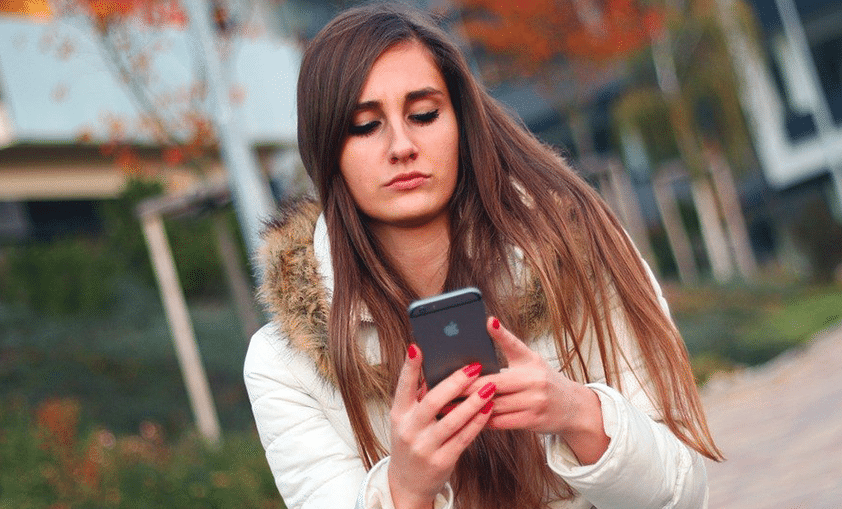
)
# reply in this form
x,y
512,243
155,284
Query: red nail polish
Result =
x,y
487,408
412,351
472,370
495,324
487,390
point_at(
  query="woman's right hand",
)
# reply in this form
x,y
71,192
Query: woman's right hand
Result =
x,y
425,449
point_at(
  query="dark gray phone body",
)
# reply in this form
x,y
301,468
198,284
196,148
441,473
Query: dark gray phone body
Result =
x,y
450,329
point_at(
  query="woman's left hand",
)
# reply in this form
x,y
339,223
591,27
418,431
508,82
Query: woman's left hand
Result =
x,y
531,395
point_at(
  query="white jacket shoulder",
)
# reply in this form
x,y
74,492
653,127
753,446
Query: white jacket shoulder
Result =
x,y
309,448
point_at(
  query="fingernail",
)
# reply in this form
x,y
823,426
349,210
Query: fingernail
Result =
x,y
472,370
487,390
495,323
412,351
487,408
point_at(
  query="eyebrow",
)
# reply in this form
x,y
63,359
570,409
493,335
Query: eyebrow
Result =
x,y
410,97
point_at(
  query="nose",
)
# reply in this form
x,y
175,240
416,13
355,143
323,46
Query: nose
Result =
x,y
402,148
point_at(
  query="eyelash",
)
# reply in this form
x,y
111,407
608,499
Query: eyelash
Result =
x,y
425,118
366,129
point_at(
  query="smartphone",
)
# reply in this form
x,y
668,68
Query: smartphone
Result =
x,y
450,329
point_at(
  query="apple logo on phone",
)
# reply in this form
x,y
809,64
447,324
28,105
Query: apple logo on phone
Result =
x,y
451,329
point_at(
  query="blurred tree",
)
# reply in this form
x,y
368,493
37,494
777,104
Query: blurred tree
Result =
x,y
541,32
591,42
571,47
696,78
574,48
133,34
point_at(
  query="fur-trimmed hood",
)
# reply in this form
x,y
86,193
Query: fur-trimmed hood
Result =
x,y
298,282
294,290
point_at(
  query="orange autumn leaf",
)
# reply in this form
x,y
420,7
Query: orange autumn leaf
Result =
x,y
535,32
150,12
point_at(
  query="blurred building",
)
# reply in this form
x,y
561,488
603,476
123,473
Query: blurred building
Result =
x,y
792,96
793,93
72,133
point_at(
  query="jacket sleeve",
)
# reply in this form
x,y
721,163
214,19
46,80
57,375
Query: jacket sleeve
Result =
x,y
374,492
313,466
645,465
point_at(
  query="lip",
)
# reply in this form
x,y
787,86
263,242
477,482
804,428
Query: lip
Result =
x,y
407,181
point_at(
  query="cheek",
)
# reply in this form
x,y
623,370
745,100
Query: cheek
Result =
x,y
443,143
352,166
452,156
357,186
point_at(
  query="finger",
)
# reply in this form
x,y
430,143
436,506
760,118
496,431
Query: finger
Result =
x,y
461,426
513,348
510,420
515,402
466,408
507,381
448,389
406,392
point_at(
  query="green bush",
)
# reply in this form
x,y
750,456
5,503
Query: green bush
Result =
x,y
68,276
78,275
122,232
726,326
191,238
49,460
193,243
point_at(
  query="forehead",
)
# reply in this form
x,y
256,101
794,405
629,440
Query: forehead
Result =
x,y
403,67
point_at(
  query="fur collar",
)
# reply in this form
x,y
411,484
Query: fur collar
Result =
x,y
295,287
293,290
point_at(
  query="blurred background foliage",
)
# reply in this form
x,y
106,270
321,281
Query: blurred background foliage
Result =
x,y
85,340
51,458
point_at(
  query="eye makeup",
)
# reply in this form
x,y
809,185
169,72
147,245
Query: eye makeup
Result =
x,y
425,118
364,129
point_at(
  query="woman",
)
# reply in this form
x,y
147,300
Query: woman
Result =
x,y
425,185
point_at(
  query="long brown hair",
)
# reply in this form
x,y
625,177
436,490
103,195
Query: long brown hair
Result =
x,y
513,192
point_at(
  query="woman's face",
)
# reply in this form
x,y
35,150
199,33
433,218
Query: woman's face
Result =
x,y
400,158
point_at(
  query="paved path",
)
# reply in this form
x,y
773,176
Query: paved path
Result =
x,y
780,427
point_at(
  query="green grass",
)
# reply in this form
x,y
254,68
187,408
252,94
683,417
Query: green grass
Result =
x,y
728,326
122,365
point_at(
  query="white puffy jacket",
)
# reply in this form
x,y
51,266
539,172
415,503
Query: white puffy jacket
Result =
x,y
309,442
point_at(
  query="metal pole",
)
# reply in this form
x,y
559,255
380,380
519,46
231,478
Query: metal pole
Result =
x,y
187,351
249,190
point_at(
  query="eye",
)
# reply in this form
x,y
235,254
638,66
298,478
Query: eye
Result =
x,y
364,129
425,118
